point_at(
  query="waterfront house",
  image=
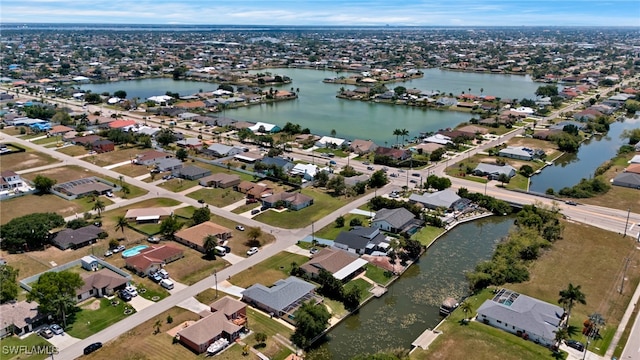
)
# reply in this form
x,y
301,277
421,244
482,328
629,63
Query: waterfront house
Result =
x,y
290,200
76,238
100,283
362,146
445,199
362,240
220,180
517,152
225,319
19,318
152,259
627,179
261,127
330,142
194,236
282,299
493,171
398,220
524,316
438,139
339,263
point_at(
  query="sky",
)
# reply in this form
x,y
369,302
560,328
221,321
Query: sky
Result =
x,y
327,12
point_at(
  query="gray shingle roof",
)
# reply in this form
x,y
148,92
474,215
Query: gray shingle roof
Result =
x,y
397,218
282,294
444,198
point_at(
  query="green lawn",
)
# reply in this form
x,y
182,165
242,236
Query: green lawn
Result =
x,y
217,197
377,274
153,293
427,234
185,212
336,308
87,322
14,348
518,182
261,323
73,150
331,231
268,271
149,229
177,185
361,284
323,205
244,208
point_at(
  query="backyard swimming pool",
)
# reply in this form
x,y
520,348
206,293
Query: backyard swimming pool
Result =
x,y
133,251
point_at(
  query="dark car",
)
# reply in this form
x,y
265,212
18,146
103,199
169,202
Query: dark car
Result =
x,y
201,201
264,208
572,203
255,211
124,295
93,347
575,344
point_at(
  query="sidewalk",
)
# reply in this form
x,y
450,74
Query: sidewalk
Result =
x,y
623,323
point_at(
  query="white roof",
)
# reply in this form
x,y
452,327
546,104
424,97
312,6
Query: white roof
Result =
x,y
438,139
635,160
114,100
523,110
160,98
147,218
80,78
349,269
267,127
331,140
301,169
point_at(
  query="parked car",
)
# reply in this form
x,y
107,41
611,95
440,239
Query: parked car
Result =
x,y
201,201
109,194
93,347
46,333
313,251
97,223
416,174
108,253
240,227
332,162
167,284
264,208
413,181
365,163
131,290
163,273
153,239
119,248
156,277
125,296
572,203
575,344
56,329
252,251
252,201
255,211
393,175
370,168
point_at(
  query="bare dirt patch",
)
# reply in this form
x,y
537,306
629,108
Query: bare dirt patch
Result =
x,y
92,305
26,160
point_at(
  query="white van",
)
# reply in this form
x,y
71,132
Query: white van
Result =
x,y
220,251
166,283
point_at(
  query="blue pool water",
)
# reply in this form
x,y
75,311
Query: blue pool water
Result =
x,y
133,251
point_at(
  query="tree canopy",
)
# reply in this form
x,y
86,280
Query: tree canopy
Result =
x,y
311,320
43,184
29,231
378,179
201,215
55,292
8,279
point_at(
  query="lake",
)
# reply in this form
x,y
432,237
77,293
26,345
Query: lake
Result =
x,y
318,109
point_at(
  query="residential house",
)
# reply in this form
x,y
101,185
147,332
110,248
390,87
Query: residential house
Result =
x,y
148,215
438,139
10,180
226,320
150,157
290,200
85,140
363,240
102,146
168,164
633,168
123,125
100,283
19,318
280,162
221,150
330,142
194,236
527,317
445,199
248,156
261,127
253,190
446,101
306,171
189,143
517,152
493,171
152,259
282,299
191,172
394,154
627,179
59,130
84,187
341,264
587,115
362,146
76,238
398,220
220,180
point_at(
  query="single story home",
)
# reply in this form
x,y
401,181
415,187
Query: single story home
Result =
x,y
148,215
522,315
221,150
306,171
168,164
627,179
220,180
150,157
328,142
264,128
84,187
493,171
280,162
100,283
396,221
225,320
191,172
439,199
291,200
394,154
19,318
517,152
189,143
438,139
282,299
152,259
341,264
76,238
194,236
362,146
102,146
362,240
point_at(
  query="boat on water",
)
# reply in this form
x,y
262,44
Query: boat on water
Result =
x,y
217,346
448,305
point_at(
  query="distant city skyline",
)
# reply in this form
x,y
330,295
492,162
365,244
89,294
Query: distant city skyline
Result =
x,y
327,12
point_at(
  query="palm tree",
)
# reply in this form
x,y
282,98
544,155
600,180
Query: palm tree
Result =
x,y
157,326
397,132
210,242
561,334
121,224
570,296
403,133
466,308
98,206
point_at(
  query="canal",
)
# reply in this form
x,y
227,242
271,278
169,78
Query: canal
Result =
x,y
412,302
570,168
318,108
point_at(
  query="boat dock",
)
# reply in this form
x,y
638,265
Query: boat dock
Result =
x,y
425,339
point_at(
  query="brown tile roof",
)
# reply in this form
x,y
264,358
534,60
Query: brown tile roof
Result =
x,y
101,279
227,305
19,314
208,328
329,259
157,211
196,234
633,168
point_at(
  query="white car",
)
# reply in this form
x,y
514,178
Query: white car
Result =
x,y
109,194
240,227
131,290
108,253
252,251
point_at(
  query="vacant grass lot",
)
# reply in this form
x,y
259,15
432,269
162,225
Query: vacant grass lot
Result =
x,y
194,266
596,263
26,160
617,197
486,342
73,150
216,196
427,234
268,271
178,185
132,170
24,205
30,342
377,274
323,205
87,322
331,231
120,154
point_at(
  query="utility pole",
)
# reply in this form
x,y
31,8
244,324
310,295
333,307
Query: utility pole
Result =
x,y
624,273
627,223
215,276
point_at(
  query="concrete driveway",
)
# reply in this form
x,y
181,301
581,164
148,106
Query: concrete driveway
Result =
x,y
140,303
62,341
193,305
233,258
177,287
